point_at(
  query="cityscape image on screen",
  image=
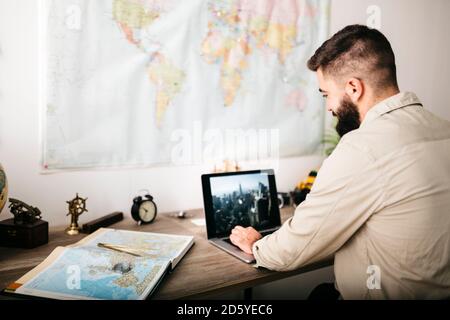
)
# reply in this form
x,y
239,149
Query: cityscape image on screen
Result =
x,y
241,200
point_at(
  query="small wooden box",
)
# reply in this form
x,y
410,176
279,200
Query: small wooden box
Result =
x,y
23,236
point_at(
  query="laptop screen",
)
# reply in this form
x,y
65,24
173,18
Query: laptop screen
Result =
x,y
246,198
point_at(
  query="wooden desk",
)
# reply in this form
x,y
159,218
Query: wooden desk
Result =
x,y
204,271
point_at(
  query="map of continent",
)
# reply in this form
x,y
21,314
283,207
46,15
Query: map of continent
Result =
x,y
133,16
239,27
98,278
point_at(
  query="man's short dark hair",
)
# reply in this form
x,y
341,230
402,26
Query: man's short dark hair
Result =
x,y
357,51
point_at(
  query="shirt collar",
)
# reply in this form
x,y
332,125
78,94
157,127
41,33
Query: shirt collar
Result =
x,y
400,100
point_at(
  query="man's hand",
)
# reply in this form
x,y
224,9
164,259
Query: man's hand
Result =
x,y
244,238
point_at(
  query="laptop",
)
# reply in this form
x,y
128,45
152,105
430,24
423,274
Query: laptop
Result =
x,y
245,198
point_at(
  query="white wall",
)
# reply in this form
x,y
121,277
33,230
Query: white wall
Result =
x,y
418,31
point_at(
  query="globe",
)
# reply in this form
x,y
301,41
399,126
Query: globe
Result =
x,y
3,188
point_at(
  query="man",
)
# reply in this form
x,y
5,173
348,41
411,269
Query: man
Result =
x,y
381,202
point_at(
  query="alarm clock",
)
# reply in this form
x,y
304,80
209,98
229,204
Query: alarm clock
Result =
x,y
144,209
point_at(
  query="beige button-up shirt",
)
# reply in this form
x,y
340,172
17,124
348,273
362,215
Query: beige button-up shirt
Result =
x,y
381,205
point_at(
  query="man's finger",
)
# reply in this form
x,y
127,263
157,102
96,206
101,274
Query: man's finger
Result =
x,y
235,231
234,239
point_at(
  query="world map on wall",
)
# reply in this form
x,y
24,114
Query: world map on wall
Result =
x,y
124,75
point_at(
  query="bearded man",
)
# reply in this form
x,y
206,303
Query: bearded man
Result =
x,y
381,201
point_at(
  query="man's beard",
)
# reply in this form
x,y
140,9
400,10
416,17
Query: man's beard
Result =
x,y
348,117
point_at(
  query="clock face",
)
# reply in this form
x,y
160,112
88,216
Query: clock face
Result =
x,y
147,211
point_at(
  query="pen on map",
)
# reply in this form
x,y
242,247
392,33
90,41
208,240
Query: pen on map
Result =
x,y
119,248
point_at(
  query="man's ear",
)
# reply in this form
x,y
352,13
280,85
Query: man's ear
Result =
x,y
354,88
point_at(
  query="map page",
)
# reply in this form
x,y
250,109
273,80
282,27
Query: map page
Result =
x,y
86,271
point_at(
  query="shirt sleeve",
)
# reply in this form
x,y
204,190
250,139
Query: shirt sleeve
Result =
x,y
347,191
